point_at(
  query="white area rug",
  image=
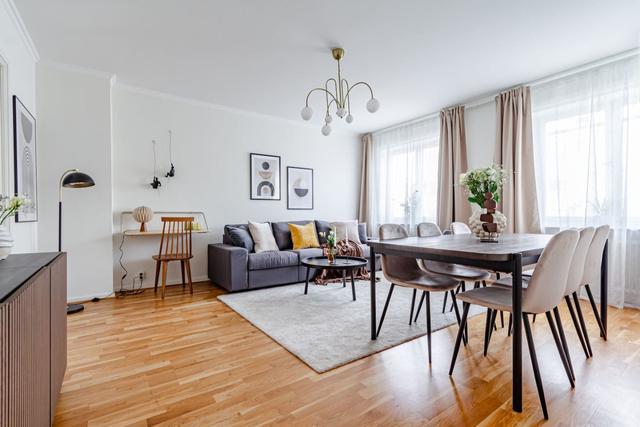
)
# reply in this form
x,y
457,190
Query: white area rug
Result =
x,y
326,329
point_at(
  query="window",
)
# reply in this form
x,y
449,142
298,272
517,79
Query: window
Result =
x,y
405,174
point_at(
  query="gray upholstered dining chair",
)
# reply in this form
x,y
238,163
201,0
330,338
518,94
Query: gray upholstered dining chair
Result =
x,y
545,290
405,272
459,272
460,228
592,269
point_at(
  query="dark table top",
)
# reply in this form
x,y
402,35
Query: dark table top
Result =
x,y
341,262
468,246
19,268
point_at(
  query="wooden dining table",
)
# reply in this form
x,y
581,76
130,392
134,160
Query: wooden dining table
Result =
x,y
508,255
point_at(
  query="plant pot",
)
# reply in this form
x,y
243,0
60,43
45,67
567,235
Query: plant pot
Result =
x,y
6,242
476,225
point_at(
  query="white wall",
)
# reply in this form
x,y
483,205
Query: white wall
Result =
x,y
19,57
74,131
211,147
480,122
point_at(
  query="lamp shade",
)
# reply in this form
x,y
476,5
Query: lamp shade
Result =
x,y
77,180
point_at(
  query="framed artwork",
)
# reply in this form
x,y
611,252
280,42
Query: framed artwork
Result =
x,y
265,176
299,188
24,154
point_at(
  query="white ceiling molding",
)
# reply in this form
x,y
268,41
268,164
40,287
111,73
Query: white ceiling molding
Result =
x,y
13,13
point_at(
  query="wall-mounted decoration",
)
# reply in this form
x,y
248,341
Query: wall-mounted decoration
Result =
x,y
172,170
265,176
24,150
299,188
155,183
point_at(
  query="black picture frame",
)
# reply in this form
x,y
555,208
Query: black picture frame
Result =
x,y
293,193
259,182
25,159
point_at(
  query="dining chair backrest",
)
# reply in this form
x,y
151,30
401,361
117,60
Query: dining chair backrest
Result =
x,y
576,270
175,241
591,274
396,266
460,228
548,281
428,229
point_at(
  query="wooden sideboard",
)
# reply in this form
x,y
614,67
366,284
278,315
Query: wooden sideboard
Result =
x,y
33,337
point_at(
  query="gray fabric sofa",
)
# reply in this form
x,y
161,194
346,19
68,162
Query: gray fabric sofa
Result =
x,y
237,268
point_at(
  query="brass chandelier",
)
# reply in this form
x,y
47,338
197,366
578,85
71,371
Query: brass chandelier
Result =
x,y
337,95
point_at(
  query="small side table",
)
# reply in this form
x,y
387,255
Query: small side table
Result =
x,y
343,263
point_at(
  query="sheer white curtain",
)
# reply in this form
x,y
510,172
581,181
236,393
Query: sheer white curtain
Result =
x,y
404,174
586,133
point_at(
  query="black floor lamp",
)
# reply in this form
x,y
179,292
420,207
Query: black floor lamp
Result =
x,y
72,178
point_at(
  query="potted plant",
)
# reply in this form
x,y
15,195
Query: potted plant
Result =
x,y
9,206
331,245
483,187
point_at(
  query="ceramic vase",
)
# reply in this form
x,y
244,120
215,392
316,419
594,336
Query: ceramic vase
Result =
x,y
6,242
476,224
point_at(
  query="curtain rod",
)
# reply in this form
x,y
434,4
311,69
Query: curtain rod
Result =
x,y
476,102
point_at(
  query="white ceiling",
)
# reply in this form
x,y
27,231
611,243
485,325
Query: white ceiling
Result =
x,y
263,56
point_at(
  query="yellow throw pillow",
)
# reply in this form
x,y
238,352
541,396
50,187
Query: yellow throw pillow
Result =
x,y
304,236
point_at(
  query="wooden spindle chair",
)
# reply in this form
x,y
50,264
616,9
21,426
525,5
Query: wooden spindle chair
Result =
x,y
175,245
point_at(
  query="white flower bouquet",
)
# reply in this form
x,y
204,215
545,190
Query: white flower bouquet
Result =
x,y
481,181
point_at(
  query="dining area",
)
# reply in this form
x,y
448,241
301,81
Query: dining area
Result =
x,y
519,275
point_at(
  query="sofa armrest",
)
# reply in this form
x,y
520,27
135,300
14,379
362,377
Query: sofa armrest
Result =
x,y
228,266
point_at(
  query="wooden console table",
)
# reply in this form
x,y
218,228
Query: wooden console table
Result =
x,y
33,337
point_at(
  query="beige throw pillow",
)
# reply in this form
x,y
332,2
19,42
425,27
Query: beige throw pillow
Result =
x,y
262,235
346,228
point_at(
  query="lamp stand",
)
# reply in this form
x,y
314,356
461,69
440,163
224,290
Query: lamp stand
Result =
x,y
71,308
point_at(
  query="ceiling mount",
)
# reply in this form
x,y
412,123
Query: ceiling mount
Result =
x,y
338,53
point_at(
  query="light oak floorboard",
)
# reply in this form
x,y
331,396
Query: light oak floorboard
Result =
x,y
190,360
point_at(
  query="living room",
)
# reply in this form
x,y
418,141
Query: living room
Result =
x,y
360,197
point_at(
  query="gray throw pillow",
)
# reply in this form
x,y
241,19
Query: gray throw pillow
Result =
x,y
241,238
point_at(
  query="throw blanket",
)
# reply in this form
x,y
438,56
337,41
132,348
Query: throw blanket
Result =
x,y
333,276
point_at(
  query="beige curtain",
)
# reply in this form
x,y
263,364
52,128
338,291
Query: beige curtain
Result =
x,y
364,210
452,201
514,151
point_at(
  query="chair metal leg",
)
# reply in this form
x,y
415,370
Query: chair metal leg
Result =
x,y
563,356
428,310
510,327
603,333
461,288
444,303
456,348
487,326
502,319
476,285
583,326
455,305
413,303
493,327
415,319
577,326
563,340
534,364
384,311
534,318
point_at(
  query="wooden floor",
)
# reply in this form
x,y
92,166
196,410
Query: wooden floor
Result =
x,y
190,360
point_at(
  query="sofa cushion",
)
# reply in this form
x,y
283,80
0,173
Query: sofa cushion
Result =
x,y
262,237
304,236
240,237
225,235
308,252
283,235
347,229
272,259
322,227
362,231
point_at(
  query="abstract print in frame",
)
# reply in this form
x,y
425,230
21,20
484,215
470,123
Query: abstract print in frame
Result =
x,y
299,188
265,176
24,154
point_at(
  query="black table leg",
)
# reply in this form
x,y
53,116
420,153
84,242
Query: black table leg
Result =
x,y
344,278
372,286
306,283
517,332
353,285
604,269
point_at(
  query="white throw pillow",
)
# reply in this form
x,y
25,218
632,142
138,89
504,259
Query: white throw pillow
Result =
x,y
346,228
262,235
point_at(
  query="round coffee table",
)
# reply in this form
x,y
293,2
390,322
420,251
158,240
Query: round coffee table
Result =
x,y
343,263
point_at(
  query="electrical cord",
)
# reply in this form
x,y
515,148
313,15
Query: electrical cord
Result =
x,y
124,292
